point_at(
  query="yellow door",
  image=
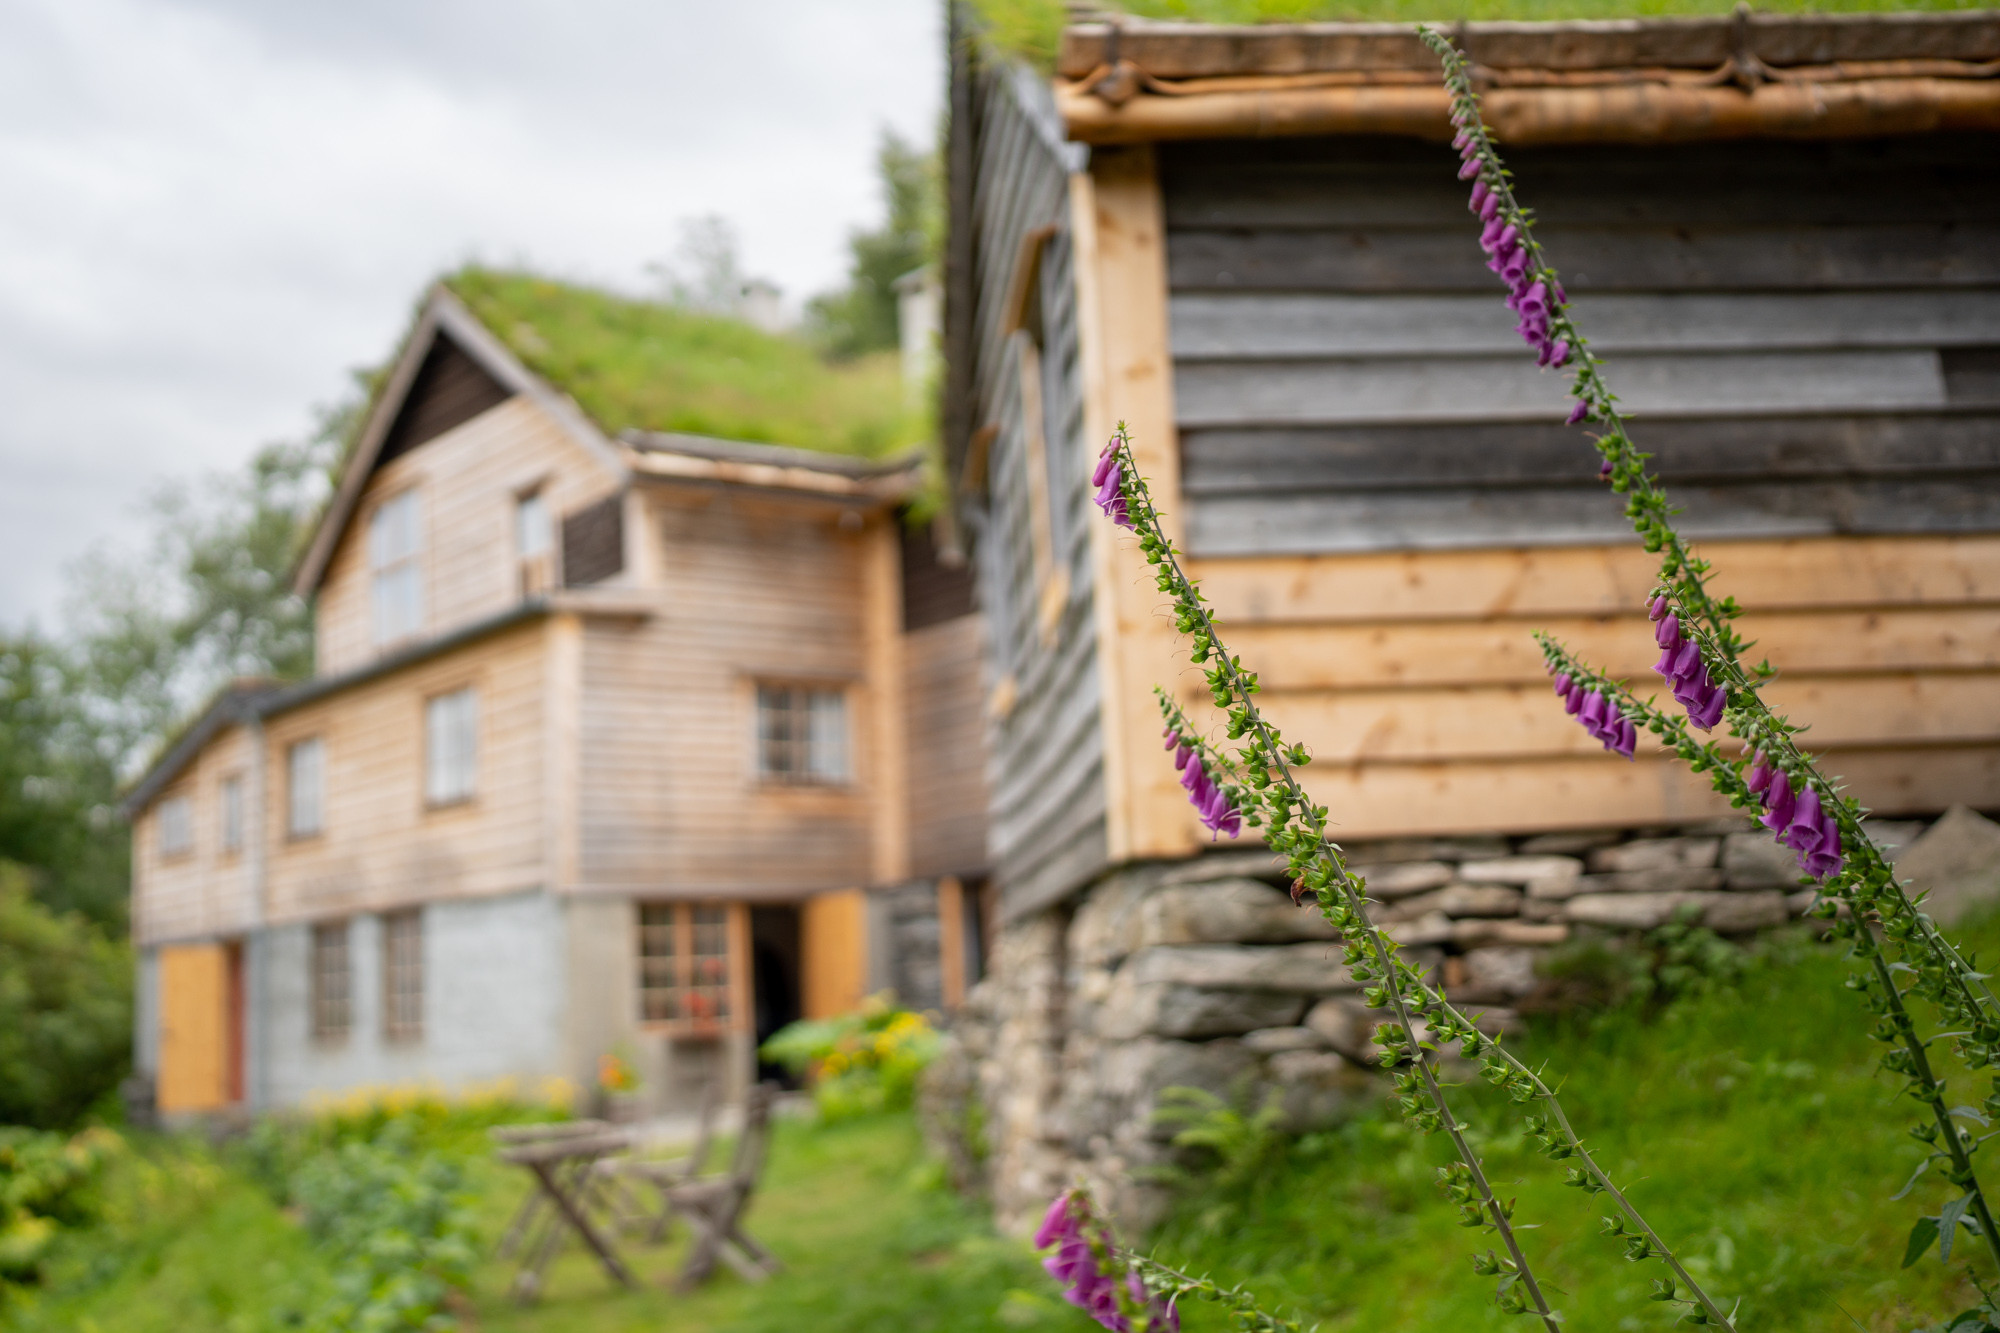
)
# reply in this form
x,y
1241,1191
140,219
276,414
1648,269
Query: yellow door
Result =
x,y
833,932
194,1028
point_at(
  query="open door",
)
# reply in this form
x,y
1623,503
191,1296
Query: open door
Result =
x,y
833,930
195,1039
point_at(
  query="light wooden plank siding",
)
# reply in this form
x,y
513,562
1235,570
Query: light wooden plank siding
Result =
x,y
947,724
468,479
670,801
1805,332
1046,831
205,891
381,846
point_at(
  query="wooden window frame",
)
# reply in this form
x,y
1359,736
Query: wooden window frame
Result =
x,y
397,564
294,831
330,1013
231,815
798,769
403,976
666,978
436,796
535,568
173,823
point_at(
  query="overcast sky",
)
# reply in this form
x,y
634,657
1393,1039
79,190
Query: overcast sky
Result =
x,y
211,210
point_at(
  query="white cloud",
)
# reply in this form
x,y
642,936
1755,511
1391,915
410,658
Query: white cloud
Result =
x,y
215,210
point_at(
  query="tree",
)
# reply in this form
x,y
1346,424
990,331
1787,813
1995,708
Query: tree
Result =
x,y
58,786
861,317
65,1010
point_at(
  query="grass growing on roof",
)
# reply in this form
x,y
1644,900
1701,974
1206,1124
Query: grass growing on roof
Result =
x,y
647,365
1031,29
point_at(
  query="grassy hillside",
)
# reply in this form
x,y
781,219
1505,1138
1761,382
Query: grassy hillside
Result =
x,y
1030,28
651,366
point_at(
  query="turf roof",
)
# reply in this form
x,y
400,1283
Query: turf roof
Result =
x,y
1031,28
636,364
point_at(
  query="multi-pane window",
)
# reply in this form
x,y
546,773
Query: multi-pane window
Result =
x,y
332,982
685,966
176,826
305,787
403,976
232,814
394,548
451,747
801,733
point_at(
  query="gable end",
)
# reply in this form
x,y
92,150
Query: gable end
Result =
x,y
449,390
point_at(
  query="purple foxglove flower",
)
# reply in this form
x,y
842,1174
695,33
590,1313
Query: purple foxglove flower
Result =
x,y
1055,1223
1628,737
1107,463
1559,354
1510,235
1604,470
1760,773
1514,266
1710,710
1574,703
1480,190
1592,714
1778,803
1563,684
1489,235
1668,632
1687,663
1460,140
1173,739
1665,666
1576,415
1659,607
1490,209
1802,831
1562,297
1469,170
1182,755
1826,858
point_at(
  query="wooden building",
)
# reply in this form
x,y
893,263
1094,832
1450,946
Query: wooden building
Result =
x,y
1276,285
636,742
1250,245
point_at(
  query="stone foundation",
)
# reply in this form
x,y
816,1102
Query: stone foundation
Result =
x,y
1201,973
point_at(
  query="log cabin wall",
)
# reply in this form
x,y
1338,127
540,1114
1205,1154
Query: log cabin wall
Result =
x,y
944,643
1026,469
1381,499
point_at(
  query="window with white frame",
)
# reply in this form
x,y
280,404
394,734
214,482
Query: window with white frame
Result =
x,y
801,733
395,542
176,826
403,975
332,982
232,813
305,787
451,747
534,543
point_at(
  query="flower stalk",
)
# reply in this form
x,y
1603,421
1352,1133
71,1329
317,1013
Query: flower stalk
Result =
x,y
1259,786
1702,659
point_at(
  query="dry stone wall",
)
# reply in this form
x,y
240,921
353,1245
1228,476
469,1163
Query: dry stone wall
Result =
x,y
1203,974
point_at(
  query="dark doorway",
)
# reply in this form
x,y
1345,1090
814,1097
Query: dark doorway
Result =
x,y
774,971
233,1023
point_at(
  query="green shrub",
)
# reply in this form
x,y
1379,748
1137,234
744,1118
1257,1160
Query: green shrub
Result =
x,y
48,1184
395,1222
65,1011
860,1062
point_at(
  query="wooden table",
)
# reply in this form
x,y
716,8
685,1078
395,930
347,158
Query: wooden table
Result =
x,y
560,1159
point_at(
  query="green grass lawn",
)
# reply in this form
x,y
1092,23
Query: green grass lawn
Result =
x,y
1749,1125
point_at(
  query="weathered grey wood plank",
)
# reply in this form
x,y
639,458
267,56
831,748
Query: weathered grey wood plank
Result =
x,y
1292,523
1591,258
1375,182
1695,452
1214,325
1211,393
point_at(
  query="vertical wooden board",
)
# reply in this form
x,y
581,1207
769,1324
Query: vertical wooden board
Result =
x,y
833,940
1131,380
742,995
883,703
194,1004
951,941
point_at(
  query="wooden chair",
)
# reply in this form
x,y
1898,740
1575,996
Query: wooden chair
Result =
x,y
658,1173
514,1136
713,1206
